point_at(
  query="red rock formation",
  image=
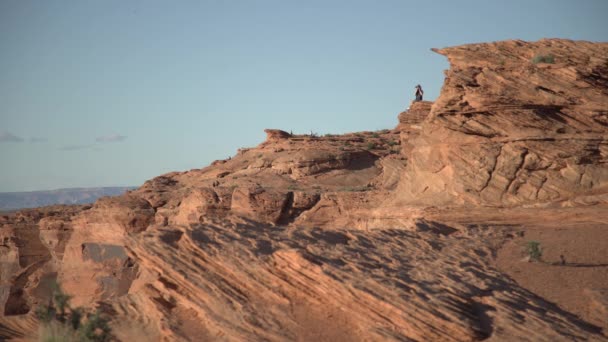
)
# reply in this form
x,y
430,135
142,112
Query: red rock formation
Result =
x,y
365,236
506,130
410,124
276,134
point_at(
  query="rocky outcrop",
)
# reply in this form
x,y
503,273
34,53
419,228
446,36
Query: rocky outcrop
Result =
x,y
516,123
95,264
31,243
199,203
276,134
410,124
415,114
259,204
133,214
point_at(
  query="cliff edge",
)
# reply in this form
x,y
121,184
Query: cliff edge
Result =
x,y
516,123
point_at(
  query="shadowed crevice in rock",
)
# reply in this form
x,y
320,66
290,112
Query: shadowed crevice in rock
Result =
x,y
32,256
434,227
171,237
287,214
103,252
361,161
484,327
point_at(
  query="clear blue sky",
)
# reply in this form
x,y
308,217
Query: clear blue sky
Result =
x,y
101,93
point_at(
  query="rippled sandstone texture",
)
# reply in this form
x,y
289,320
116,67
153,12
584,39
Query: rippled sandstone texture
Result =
x,y
410,234
508,131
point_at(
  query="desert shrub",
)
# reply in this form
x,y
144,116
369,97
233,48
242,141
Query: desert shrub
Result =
x,y
56,332
95,328
375,135
549,59
534,251
60,322
371,145
392,143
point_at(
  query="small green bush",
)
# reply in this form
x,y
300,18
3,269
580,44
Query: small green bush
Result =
x,y
549,59
61,322
375,135
371,145
534,251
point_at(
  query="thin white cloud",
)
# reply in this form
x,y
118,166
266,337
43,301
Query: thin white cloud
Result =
x,y
75,147
38,140
8,137
111,138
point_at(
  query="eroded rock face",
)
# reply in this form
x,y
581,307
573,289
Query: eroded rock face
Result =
x,y
509,130
202,202
410,124
259,204
95,264
133,214
32,244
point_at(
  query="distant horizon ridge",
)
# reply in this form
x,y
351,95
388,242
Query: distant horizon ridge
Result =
x,y
74,189
16,200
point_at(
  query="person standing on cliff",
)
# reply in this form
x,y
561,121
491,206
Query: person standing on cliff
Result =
x,y
419,93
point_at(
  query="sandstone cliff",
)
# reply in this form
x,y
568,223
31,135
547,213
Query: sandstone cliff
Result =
x,y
511,129
410,234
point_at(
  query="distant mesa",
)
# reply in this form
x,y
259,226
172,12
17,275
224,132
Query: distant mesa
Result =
x,y
32,199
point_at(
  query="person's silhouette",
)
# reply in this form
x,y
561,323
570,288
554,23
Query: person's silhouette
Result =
x,y
419,93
